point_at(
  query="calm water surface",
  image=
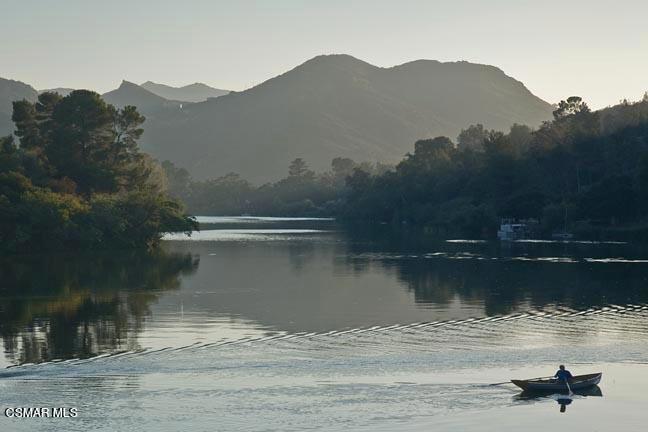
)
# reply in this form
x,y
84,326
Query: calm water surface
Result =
x,y
283,324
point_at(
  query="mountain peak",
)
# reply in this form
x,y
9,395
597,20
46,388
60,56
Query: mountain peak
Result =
x,y
339,106
337,58
336,61
129,85
129,93
196,92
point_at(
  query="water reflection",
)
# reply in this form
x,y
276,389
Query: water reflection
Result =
x,y
313,278
348,279
504,287
563,402
364,332
504,277
563,399
64,306
535,395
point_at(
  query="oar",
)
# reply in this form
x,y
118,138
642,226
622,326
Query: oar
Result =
x,y
530,379
569,388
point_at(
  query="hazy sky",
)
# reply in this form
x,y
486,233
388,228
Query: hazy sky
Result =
x,y
596,49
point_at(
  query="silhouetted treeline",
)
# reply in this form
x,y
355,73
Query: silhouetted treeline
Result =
x,y
301,193
584,171
78,180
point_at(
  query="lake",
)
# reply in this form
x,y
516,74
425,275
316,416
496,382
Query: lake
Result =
x,y
264,324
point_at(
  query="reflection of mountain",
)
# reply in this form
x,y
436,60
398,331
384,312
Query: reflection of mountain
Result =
x,y
57,306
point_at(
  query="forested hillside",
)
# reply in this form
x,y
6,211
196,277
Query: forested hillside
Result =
x,y
585,171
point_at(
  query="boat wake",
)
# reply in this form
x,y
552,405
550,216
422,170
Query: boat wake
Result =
x,y
500,338
353,378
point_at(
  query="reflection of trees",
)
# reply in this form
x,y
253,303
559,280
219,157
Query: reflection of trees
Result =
x,y
502,285
64,306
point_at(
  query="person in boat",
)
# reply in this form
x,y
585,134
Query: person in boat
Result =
x,y
563,374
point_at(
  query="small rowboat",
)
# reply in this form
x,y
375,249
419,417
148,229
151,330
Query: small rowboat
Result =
x,y
551,384
593,391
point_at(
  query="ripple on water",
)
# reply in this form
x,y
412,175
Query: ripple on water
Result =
x,y
608,325
376,375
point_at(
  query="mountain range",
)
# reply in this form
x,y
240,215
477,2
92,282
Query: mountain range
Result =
x,y
338,105
197,92
148,103
150,98
329,106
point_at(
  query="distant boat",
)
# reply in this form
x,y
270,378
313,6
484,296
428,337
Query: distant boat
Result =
x,y
551,384
511,229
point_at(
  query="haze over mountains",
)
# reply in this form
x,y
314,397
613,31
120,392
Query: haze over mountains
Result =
x,y
197,92
146,102
338,105
330,106
149,97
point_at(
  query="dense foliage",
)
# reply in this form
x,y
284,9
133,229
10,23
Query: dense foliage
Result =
x,y
78,180
584,171
301,193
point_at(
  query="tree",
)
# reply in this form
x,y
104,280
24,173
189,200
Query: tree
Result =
x,y
299,169
178,180
498,144
84,144
342,168
78,179
572,106
425,149
124,154
82,139
472,138
429,155
359,181
24,118
643,182
8,154
520,137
